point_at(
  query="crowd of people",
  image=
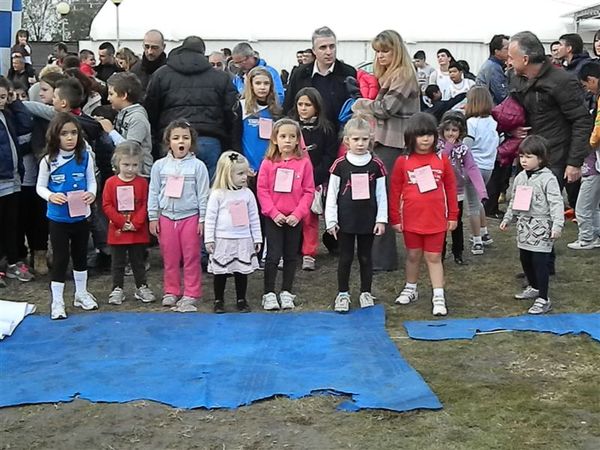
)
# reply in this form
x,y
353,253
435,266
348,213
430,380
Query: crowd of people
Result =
x,y
229,164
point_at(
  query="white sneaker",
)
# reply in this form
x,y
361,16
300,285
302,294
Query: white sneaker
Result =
x,y
116,297
287,300
342,302
477,249
269,302
169,300
85,301
185,304
144,294
540,306
308,263
583,245
366,300
407,296
527,294
439,306
58,310
596,242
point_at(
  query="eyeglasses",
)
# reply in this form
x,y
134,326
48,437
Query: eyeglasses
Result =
x,y
151,47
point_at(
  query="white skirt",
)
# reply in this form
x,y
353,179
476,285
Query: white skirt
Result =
x,y
233,255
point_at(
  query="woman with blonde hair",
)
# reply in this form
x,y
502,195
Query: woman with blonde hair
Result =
x,y
126,59
397,101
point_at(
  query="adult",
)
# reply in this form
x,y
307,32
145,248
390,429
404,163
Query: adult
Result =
x,y
21,72
326,74
571,51
424,71
396,102
188,87
554,102
442,76
466,70
108,65
245,58
154,57
597,44
299,61
492,73
126,58
556,60
59,52
308,56
218,61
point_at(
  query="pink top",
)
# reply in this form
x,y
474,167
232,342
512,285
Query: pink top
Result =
x,y
298,201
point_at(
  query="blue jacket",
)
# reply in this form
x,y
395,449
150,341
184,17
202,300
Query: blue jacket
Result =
x,y
65,178
253,146
238,81
493,77
19,123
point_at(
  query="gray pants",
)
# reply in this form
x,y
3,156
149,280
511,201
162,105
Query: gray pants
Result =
x,y
474,205
587,209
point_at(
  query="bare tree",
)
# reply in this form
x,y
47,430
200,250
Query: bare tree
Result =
x,y
40,18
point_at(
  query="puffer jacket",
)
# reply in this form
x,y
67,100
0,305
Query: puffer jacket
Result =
x,y
509,115
556,110
187,87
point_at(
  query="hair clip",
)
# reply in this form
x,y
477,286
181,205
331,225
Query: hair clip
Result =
x,y
233,156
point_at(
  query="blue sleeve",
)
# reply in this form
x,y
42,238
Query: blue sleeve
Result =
x,y
22,118
498,86
278,85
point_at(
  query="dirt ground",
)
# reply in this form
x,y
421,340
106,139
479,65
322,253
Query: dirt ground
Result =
x,y
499,391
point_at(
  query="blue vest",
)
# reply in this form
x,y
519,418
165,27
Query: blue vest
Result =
x,y
66,178
253,147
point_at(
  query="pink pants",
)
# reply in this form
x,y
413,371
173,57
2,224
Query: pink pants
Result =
x,y
310,234
179,239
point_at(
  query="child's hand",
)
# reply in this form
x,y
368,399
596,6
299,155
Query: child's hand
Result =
x,y
279,219
292,220
200,228
397,228
58,198
154,228
210,247
379,229
257,247
107,125
333,231
452,225
88,198
555,234
128,227
503,226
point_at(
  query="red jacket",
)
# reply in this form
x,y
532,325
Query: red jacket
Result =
x,y
428,212
368,84
138,217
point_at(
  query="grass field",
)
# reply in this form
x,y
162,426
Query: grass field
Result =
x,y
504,391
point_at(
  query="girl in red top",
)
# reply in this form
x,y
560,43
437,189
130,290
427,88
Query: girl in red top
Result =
x,y
423,206
124,202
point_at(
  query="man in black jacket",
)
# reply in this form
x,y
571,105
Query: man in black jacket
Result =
x,y
188,87
327,74
154,57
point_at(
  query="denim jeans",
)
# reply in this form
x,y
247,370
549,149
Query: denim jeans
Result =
x,y
209,151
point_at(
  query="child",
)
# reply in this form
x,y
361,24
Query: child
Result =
x,y
124,201
356,209
176,210
19,91
232,229
285,192
538,203
22,45
458,83
88,62
322,145
484,140
259,111
452,131
423,206
125,93
14,124
67,182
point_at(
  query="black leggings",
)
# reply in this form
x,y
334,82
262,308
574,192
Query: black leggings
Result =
x,y
241,285
137,256
537,270
458,236
365,260
283,242
9,215
68,238
33,223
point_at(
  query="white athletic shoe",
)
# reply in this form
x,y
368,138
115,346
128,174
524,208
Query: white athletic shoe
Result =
x,y
439,306
366,300
287,300
269,302
85,301
58,310
144,294
342,302
116,297
407,296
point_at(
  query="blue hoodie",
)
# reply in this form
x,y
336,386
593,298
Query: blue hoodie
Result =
x,y
238,81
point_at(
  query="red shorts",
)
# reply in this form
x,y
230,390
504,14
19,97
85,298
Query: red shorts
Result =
x,y
431,243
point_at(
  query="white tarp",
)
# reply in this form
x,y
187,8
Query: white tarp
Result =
x,y
12,314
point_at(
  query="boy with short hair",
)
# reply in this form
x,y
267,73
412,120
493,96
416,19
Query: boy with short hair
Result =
x,y
87,63
424,71
459,84
124,93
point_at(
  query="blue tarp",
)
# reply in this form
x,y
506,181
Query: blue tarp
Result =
x,y
438,330
208,360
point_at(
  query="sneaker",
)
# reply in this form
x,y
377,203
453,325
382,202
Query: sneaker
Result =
x,y
287,300
261,264
128,270
477,249
366,299
57,310
219,307
85,300
596,242
116,297
527,294
583,245
487,239
2,281
540,306
20,271
144,294
439,306
308,263
269,302
407,296
169,300
342,302
243,306
185,304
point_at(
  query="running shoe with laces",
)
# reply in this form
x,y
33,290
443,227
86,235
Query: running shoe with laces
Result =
x,y
527,294
20,271
116,297
85,300
342,302
366,300
145,294
407,296
582,245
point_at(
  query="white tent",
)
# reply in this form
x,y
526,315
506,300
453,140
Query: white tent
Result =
x,y
277,29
